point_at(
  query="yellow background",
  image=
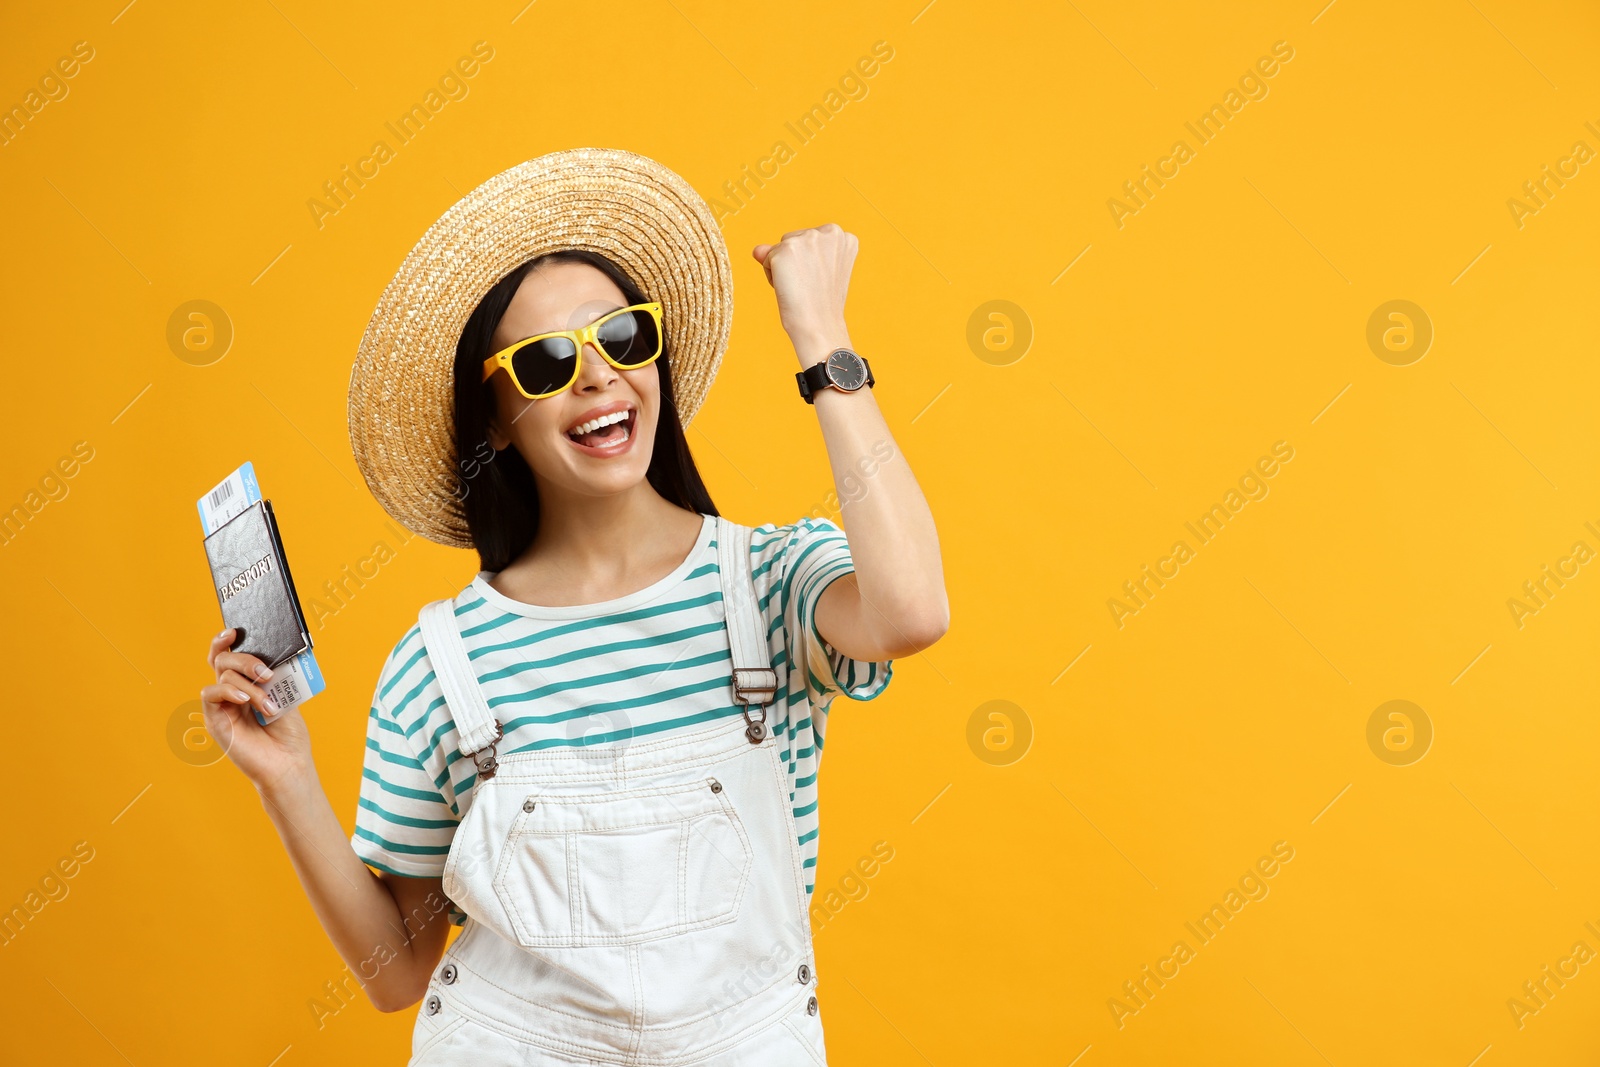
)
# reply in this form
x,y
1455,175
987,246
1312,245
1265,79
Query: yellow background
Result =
x,y
1227,314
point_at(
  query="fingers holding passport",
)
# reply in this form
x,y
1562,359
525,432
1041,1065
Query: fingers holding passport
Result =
x,y
240,676
220,643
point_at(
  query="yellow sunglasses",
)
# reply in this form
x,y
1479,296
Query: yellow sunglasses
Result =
x,y
544,365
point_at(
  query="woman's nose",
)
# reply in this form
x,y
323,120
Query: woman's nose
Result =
x,y
595,371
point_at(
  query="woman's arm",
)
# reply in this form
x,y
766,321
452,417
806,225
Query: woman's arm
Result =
x,y
894,604
389,930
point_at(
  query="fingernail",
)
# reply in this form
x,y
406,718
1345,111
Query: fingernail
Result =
x,y
263,671
272,705
225,632
241,696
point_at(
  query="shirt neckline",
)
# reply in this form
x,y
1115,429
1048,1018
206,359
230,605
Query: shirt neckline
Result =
x,y
480,585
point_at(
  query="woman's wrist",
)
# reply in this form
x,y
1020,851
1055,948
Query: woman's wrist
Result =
x,y
290,790
813,345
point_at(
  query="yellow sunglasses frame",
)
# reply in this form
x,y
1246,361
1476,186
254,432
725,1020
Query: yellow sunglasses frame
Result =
x,y
587,335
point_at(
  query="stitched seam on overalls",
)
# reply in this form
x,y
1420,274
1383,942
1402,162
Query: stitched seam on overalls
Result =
x,y
627,940
638,1004
683,871
791,830
511,1027
511,770
691,817
511,764
589,1020
553,797
805,1041
543,1039
439,1035
574,890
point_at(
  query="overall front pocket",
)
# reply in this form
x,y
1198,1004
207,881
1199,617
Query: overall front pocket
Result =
x,y
582,869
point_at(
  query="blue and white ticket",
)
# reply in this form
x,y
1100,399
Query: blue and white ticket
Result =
x,y
300,678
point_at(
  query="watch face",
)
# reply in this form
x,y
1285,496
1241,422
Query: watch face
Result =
x,y
846,370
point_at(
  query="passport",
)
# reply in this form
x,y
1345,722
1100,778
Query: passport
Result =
x,y
254,588
299,678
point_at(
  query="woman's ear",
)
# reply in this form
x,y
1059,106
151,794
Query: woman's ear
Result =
x,y
495,436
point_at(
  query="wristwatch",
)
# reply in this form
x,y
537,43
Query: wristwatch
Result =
x,y
843,370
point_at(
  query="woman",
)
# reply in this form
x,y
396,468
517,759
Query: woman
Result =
x,y
600,756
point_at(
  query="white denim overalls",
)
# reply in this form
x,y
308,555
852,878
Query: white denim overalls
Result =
x,y
632,902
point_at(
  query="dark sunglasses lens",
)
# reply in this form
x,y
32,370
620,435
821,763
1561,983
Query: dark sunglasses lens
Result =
x,y
631,338
545,366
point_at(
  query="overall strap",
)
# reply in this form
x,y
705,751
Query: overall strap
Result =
x,y
479,730
755,683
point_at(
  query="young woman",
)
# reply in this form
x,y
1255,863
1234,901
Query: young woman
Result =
x,y
600,756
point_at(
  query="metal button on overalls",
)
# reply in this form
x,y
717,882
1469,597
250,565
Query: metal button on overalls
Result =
x,y
650,908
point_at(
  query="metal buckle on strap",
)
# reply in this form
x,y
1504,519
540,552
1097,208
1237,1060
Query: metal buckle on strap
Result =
x,y
755,687
752,682
487,765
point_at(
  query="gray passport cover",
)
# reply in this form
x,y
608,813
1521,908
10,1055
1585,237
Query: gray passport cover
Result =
x,y
254,588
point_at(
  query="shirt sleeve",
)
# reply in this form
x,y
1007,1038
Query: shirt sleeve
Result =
x,y
815,554
404,825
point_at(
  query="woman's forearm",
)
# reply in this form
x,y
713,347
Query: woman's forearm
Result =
x,y
895,547
355,907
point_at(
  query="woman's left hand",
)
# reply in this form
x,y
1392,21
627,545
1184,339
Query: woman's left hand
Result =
x,y
810,270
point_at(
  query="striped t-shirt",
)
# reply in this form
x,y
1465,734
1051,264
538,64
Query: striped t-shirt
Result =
x,y
648,663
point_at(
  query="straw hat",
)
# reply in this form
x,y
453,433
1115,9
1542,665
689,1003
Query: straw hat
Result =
x,y
635,211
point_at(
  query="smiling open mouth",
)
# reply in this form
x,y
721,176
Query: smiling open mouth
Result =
x,y
607,431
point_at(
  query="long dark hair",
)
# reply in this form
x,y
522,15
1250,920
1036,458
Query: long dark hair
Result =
x,y
502,501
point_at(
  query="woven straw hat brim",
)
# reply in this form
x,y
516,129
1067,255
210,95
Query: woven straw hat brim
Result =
x,y
640,214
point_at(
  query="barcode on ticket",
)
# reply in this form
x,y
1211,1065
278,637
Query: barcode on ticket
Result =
x,y
229,498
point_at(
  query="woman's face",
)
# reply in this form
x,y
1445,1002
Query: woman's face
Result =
x,y
566,296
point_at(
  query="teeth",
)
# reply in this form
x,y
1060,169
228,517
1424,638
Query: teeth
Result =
x,y
595,424
620,439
